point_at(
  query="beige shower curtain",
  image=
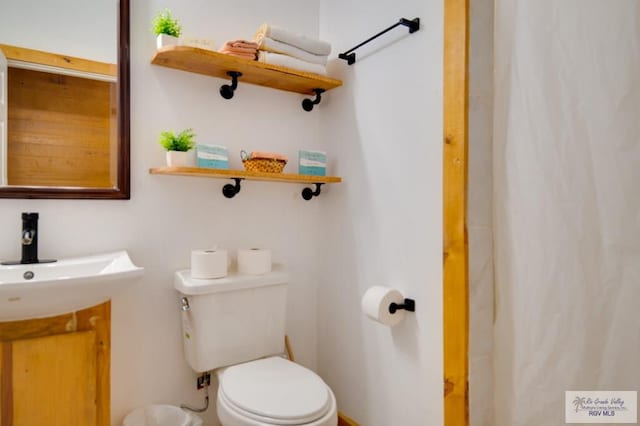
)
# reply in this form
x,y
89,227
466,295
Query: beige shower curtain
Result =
x,y
566,204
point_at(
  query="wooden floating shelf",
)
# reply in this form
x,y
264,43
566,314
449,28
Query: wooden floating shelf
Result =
x,y
230,190
215,64
243,174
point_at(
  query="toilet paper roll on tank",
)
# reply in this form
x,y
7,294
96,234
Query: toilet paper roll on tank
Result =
x,y
254,261
209,263
214,263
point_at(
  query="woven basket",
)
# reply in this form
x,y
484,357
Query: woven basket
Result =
x,y
264,165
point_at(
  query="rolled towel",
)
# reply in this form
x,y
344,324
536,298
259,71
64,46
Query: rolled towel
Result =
x,y
275,46
313,46
290,62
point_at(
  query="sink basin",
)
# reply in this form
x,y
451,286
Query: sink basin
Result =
x,y
48,289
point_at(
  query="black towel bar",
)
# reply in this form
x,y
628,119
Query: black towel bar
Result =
x,y
412,24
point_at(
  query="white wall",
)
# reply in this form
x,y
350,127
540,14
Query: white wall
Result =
x,y
168,216
383,133
383,225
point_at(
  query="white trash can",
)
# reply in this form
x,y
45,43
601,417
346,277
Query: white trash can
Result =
x,y
161,415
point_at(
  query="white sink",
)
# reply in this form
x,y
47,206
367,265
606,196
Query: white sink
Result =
x,y
47,289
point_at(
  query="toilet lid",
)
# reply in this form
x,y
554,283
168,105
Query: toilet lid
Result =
x,y
277,389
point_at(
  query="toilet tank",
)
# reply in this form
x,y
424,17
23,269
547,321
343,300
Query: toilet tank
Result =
x,y
234,319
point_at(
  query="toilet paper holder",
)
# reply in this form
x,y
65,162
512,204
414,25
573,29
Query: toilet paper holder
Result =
x,y
408,305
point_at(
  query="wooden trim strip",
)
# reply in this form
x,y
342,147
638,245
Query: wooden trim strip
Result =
x,y
344,420
6,384
287,346
98,318
455,244
22,54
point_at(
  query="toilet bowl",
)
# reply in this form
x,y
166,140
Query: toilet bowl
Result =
x,y
273,391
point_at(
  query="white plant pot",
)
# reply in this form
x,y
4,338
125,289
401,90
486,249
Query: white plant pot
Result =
x,y
180,159
166,40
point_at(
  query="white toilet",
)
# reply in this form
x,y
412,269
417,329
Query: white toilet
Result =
x,y
235,326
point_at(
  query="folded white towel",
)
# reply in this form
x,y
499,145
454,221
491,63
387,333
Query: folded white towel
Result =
x,y
276,46
316,47
291,62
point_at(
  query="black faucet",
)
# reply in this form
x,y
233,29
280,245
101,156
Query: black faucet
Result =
x,y
29,238
29,242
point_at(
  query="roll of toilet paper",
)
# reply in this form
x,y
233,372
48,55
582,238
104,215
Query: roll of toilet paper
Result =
x,y
375,305
209,263
254,261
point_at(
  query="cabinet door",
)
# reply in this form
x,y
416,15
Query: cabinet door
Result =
x,y
53,380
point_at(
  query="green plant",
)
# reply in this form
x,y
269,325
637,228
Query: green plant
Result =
x,y
164,23
183,141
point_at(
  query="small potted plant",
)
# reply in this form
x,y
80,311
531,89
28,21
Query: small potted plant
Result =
x,y
177,147
166,28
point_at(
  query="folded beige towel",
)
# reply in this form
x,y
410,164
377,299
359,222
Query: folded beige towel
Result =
x,y
291,62
253,57
275,46
240,48
241,43
313,46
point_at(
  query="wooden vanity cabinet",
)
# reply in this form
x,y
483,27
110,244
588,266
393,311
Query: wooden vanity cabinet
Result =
x,y
55,371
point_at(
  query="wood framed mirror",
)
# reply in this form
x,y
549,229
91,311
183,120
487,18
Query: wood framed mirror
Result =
x,y
116,154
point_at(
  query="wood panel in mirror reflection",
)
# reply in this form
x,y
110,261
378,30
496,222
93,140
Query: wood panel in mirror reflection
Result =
x,y
79,121
61,130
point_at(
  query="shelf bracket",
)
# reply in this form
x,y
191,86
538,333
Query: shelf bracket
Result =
x,y
308,104
309,193
230,190
226,91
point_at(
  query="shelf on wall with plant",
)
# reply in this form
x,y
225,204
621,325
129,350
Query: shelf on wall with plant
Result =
x,y
216,64
200,59
242,174
239,175
252,172
181,161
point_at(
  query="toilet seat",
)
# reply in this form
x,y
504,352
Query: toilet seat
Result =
x,y
274,391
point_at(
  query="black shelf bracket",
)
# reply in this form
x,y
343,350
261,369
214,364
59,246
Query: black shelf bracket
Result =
x,y
226,91
309,193
412,24
408,305
230,190
308,104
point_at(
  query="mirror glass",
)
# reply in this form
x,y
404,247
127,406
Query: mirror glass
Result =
x,y
64,99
